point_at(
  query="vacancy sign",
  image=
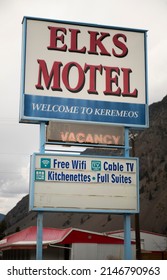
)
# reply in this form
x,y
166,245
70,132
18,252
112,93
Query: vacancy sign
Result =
x,y
83,73
84,184
85,134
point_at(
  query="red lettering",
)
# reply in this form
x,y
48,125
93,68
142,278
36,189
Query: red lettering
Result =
x,y
107,139
120,45
54,38
71,137
64,136
92,80
98,138
89,139
54,74
80,137
81,76
116,139
97,42
110,80
126,83
74,41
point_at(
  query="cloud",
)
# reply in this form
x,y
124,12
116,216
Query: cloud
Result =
x,y
157,73
11,191
15,151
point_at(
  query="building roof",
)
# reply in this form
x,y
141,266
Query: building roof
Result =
x,y
26,238
150,241
121,231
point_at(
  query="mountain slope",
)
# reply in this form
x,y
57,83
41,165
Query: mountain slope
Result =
x,y
2,216
151,148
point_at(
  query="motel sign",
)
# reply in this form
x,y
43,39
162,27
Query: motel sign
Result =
x,y
83,73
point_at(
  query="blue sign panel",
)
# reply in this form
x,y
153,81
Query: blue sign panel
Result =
x,y
46,108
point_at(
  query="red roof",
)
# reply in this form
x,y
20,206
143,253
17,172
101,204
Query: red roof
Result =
x,y
26,238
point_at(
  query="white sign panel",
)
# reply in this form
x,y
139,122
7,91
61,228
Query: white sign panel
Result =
x,y
84,73
84,184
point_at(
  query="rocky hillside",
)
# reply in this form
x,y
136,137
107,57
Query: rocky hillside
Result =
x,y
150,146
1,217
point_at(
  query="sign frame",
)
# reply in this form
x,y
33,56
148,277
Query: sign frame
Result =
x,y
119,116
79,209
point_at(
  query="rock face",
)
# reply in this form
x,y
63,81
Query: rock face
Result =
x,y
151,147
1,217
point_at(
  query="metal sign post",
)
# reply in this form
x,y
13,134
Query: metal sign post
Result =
x,y
127,237
40,214
127,217
39,235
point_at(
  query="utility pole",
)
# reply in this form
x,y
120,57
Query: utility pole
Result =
x,y
137,219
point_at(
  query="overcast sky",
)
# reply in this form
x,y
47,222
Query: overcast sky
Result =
x,y
19,141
